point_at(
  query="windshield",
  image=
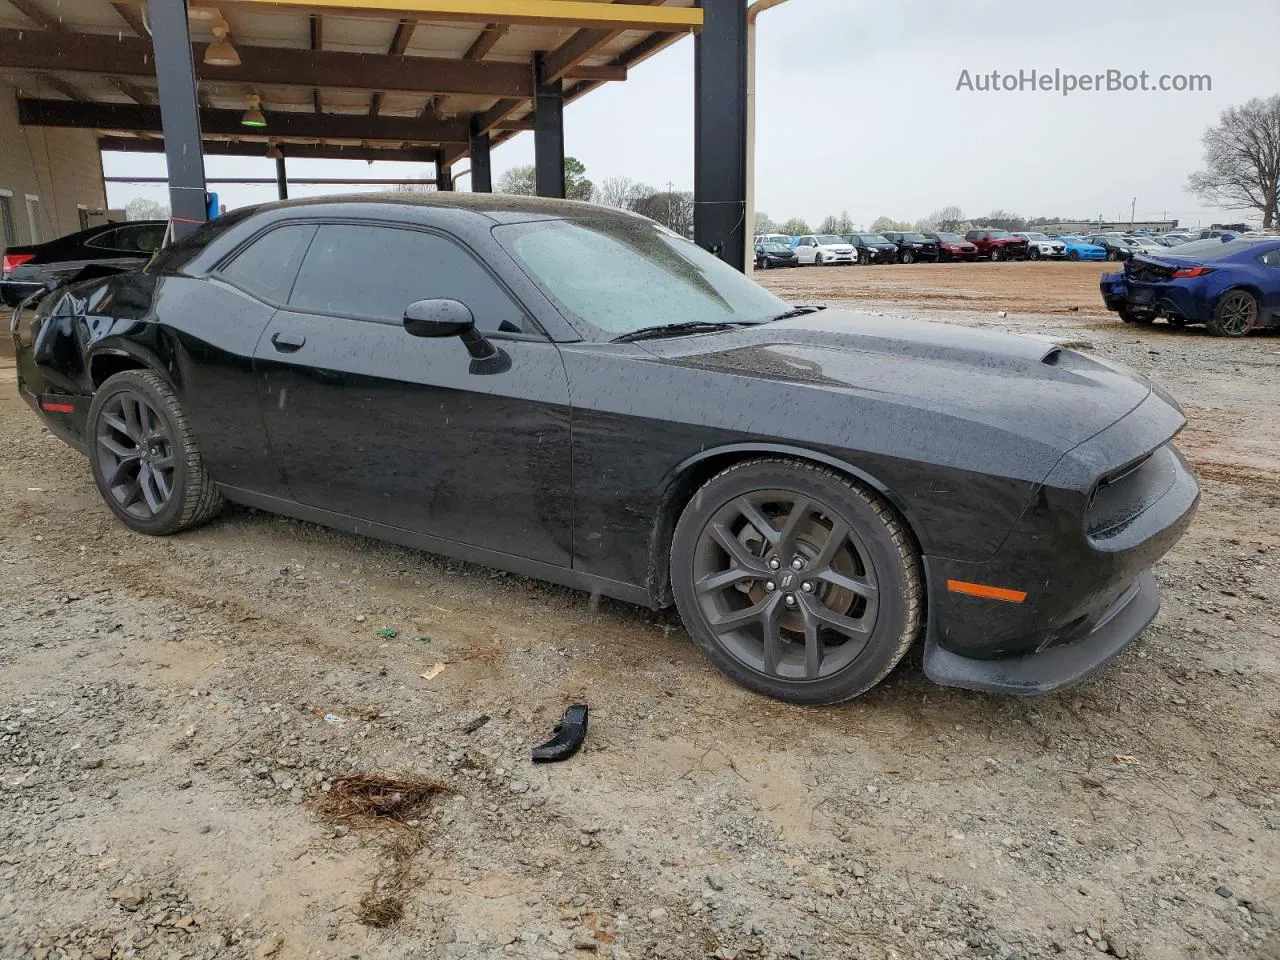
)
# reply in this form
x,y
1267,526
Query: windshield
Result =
x,y
998,234
1034,236
914,237
621,274
950,237
776,248
828,239
871,238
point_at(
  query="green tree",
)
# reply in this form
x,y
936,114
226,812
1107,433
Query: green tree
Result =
x,y
795,227
881,224
523,180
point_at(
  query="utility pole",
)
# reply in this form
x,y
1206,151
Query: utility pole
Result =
x,y
1133,204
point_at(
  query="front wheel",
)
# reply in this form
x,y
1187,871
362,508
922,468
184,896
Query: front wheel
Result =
x,y
796,581
906,256
1073,255
145,461
1033,254
817,261
996,255
1234,314
864,258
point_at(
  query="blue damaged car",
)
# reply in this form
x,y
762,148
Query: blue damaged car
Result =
x,y
1231,286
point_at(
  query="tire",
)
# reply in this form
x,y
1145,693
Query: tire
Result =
x,y
1113,255
996,255
158,489
864,258
906,256
817,260
1235,314
1073,255
871,578
1033,254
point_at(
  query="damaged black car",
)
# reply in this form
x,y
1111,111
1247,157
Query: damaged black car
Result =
x,y
582,396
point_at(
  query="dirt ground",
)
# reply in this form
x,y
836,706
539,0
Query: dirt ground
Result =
x,y
173,710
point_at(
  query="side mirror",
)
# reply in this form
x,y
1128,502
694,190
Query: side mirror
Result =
x,y
438,318
448,318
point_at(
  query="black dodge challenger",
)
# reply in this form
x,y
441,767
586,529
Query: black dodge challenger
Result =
x,y
580,395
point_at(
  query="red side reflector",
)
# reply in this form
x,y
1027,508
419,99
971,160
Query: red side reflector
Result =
x,y
1185,273
12,261
57,407
986,592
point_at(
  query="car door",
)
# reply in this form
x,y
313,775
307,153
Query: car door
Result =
x,y
807,250
371,422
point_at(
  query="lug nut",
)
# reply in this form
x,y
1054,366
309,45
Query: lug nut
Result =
x,y
774,563
797,564
791,601
807,587
770,586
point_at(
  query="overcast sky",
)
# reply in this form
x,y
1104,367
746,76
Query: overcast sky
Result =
x,y
858,110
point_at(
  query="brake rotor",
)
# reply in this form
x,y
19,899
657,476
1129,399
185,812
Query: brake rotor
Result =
x,y
811,536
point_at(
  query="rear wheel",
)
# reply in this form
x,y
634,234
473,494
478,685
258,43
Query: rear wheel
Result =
x,y
906,256
1234,314
145,461
1033,254
795,581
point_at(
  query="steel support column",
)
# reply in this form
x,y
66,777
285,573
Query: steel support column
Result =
x,y
179,113
444,174
282,179
548,134
720,131
481,171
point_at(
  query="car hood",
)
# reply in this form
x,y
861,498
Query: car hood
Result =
x,y
1020,385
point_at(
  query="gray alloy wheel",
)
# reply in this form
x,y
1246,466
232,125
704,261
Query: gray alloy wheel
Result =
x,y
144,459
1033,254
817,260
906,257
864,258
1234,314
996,254
1113,254
796,581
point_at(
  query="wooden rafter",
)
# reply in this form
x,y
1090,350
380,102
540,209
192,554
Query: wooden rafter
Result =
x,y
282,123
488,38
33,12
399,43
132,91
270,66
255,148
316,27
131,15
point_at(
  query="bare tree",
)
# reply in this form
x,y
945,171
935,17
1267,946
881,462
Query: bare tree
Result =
x,y
829,224
1003,220
795,227
621,192
671,208
144,208
843,223
1242,160
764,224
947,219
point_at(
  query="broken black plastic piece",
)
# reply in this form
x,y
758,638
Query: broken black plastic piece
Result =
x,y
569,735
477,723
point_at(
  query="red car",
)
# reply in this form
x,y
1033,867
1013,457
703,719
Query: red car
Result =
x,y
952,246
998,244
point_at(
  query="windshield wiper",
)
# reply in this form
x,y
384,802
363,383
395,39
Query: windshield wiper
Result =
x,y
679,329
800,310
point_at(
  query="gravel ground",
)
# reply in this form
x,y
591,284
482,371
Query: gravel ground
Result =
x,y
171,711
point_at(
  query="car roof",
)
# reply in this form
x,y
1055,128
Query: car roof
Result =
x,y
499,207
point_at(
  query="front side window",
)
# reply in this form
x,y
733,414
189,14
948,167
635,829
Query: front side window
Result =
x,y
623,274
267,266
1271,258
375,272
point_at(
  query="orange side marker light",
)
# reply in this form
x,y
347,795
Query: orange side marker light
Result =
x,y
986,592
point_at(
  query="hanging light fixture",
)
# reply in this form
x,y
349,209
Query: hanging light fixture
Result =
x,y
221,53
273,151
253,117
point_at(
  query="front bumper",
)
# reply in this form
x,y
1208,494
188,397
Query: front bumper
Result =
x,y
1057,667
1100,521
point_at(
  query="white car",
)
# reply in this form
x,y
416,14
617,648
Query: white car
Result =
x,y
1142,244
1040,247
823,249
782,238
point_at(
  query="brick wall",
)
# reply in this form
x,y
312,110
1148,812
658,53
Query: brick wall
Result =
x,y
61,167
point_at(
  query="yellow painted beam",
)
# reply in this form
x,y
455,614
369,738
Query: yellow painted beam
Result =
x,y
557,13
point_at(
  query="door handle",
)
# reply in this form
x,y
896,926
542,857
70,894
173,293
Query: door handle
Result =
x,y
287,342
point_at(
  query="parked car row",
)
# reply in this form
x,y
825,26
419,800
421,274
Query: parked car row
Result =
x,y
782,250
